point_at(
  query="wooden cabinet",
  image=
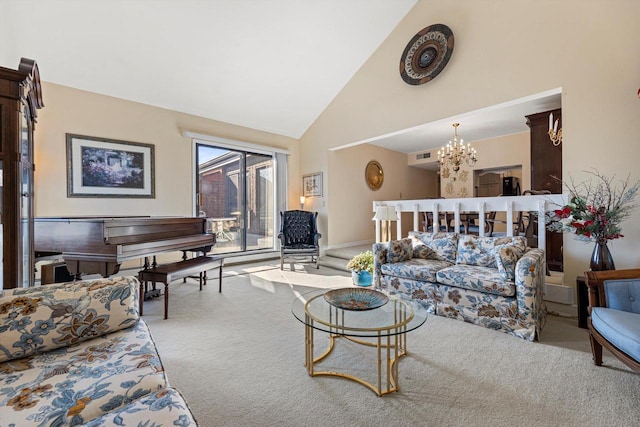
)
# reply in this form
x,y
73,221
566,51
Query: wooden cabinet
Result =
x,y
20,99
546,173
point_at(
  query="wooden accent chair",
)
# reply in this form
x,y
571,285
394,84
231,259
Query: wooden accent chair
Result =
x,y
444,223
614,315
299,235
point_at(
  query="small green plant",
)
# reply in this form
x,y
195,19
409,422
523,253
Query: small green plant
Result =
x,y
362,262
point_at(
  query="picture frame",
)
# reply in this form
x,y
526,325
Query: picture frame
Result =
x,y
312,185
101,167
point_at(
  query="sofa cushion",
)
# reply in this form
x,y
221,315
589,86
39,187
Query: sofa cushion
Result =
x,y
620,328
399,250
34,320
507,257
473,277
444,244
480,251
166,407
422,270
75,384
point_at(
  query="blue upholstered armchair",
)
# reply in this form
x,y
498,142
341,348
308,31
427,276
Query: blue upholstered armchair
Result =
x,y
614,315
299,235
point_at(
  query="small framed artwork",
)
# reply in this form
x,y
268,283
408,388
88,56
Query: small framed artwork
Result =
x,y
312,185
99,167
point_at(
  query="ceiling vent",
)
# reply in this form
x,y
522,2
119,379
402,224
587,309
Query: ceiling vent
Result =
x,y
426,155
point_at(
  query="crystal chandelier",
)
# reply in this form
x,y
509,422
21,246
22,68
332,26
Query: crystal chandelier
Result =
x,y
455,153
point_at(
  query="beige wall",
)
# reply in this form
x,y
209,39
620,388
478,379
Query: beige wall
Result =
x,y
506,50
74,111
350,207
503,152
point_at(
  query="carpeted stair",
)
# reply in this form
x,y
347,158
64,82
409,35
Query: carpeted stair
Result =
x,y
338,258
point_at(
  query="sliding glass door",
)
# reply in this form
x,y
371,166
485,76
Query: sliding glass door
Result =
x,y
235,192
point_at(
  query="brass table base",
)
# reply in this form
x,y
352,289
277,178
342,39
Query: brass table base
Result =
x,y
388,354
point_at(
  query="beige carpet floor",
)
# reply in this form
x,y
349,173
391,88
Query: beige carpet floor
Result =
x,y
238,358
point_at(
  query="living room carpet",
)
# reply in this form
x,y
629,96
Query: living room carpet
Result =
x,y
238,358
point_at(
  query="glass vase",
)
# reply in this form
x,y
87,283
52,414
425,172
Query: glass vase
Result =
x,y
601,258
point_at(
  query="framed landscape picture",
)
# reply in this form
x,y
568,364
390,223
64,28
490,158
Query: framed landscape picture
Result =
x,y
312,185
99,167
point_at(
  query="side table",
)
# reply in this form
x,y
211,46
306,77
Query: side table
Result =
x,y
583,301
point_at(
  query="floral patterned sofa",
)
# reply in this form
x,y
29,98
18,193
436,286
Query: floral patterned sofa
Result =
x,y
495,282
78,354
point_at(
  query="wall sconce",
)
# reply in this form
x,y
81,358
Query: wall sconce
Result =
x,y
302,200
555,134
386,214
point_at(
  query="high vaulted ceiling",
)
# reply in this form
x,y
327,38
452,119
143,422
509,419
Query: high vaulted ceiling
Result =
x,y
271,65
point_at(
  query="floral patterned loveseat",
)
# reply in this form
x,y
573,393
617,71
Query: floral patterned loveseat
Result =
x,y
495,282
78,354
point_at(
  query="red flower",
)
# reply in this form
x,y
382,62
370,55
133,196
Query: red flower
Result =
x,y
564,212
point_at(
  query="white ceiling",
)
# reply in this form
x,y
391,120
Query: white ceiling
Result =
x,y
271,65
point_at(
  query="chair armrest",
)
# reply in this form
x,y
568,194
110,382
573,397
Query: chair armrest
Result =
x,y
529,281
316,237
380,251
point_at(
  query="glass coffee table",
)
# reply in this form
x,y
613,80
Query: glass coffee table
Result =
x,y
364,316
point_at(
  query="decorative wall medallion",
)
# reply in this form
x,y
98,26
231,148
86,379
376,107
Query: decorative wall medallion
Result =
x,y
448,189
462,192
426,55
446,173
374,175
463,175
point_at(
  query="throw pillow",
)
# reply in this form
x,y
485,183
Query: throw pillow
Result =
x,y
507,257
399,250
443,244
422,250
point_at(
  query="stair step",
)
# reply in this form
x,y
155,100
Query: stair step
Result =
x,y
347,253
338,258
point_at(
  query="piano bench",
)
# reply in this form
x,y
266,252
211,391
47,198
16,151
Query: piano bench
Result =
x,y
167,273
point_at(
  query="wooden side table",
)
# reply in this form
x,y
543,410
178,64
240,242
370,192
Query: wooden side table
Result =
x,y
583,301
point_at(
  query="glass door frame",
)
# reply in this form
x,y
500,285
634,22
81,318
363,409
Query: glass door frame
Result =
x,y
247,150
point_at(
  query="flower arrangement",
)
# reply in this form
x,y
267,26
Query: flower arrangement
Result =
x,y
362,262
596,209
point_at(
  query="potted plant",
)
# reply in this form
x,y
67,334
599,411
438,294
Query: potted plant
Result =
x,y
361,267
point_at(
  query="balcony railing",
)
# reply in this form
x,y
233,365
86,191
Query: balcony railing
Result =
x,y
481,205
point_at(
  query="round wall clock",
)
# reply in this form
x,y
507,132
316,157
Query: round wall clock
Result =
x,y
426,55
374,175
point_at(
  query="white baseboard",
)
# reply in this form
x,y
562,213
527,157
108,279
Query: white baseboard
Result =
x,y
558,293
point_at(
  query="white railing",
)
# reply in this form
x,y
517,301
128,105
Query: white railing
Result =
x,y
480,205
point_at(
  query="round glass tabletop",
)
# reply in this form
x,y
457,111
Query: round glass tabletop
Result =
x,y
330,311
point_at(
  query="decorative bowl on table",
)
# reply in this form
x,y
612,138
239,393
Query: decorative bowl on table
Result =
x,y
357,299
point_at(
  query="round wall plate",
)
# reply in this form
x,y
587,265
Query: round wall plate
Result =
x,y
374,175
426,55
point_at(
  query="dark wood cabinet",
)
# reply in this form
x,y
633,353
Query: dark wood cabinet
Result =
x,y
546,173
20,99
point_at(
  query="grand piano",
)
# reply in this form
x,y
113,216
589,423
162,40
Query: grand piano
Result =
x,y
98,245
